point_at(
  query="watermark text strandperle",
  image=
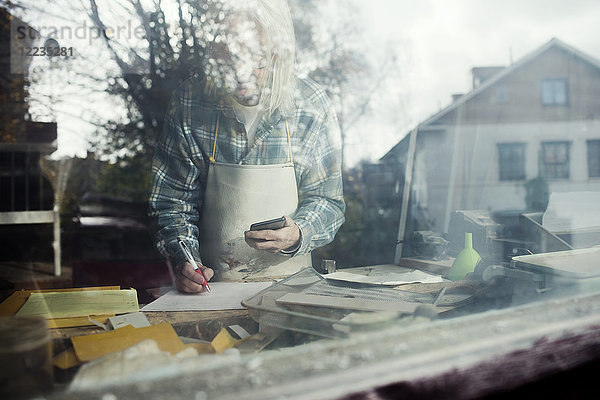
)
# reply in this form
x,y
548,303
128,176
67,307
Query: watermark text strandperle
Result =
x,y
81,32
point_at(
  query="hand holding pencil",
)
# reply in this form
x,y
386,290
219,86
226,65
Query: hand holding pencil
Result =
x,y
191,277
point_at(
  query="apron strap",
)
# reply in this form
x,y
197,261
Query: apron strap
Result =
x,y
212,158
287,129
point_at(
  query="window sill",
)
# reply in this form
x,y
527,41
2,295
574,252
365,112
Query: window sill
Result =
x,y
480,354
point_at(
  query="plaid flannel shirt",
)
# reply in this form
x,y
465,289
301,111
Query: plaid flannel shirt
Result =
x,y
181,162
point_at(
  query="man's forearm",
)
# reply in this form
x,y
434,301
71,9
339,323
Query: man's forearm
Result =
x,y
175,195
170,227
318,219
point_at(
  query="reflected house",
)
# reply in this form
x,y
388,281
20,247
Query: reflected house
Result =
x,y
26,194
537,118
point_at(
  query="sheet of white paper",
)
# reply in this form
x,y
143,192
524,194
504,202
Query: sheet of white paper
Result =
x,y
223,296
388,279
572,211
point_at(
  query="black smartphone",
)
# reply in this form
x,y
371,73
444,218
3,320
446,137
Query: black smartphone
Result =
x,y
276,223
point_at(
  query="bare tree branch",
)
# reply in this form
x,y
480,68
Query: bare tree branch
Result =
x,y
95,16
362,108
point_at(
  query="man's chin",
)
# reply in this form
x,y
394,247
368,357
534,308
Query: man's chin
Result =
x,y
248,101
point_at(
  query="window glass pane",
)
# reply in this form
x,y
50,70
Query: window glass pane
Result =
x,y
593,158
444,161
555,160
501,94
560,91
554,91
511,159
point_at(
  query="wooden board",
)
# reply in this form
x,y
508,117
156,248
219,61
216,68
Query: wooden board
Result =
x,y
347,303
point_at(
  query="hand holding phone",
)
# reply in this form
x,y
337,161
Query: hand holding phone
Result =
x,y
273,235
276,223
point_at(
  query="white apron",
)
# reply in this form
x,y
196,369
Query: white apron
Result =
x,y
237,196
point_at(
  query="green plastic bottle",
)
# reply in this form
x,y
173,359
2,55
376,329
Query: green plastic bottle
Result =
x,y
466,261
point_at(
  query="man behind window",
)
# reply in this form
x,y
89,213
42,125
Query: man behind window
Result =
x,y
243,142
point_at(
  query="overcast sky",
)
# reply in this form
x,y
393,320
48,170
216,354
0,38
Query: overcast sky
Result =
x,y
440,42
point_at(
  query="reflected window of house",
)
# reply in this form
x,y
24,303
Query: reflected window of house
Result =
x,y
511,161
500,94
554,162
554,92
593,155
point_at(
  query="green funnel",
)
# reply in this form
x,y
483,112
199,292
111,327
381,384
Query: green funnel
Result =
x,y
466,261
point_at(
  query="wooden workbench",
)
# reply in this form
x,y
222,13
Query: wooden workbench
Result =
x,y
205,325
